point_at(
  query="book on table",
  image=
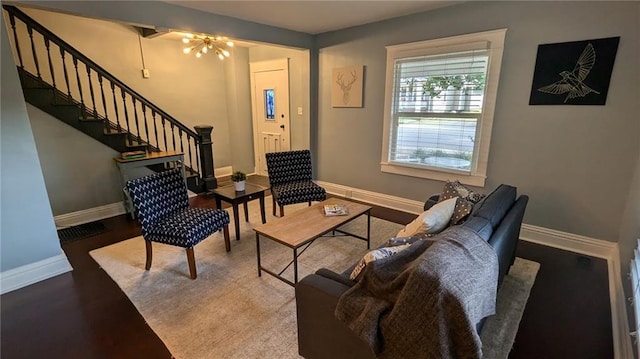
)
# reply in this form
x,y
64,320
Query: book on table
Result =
x,y
133,155
335,210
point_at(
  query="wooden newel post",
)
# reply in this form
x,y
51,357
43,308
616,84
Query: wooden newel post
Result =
x,y
206,157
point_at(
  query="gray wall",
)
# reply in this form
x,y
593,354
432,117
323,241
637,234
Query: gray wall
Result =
x,y
79,172
239,110
575,162
27,231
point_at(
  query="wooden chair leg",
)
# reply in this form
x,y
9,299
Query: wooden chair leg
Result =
x,y
273,199
309,203
227,243
281,211
192,263
147,265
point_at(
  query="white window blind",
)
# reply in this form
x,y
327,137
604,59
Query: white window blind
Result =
x,y
437,105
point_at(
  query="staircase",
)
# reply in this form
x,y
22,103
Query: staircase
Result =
x,y
61,81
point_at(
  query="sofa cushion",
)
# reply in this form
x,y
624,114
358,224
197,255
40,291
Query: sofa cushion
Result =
x,y
455,188
496,205
373,255
480,225
433,220
466,200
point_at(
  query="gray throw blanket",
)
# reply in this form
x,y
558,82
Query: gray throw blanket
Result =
x,y
425,301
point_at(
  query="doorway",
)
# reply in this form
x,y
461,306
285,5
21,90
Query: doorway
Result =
x,y
270,109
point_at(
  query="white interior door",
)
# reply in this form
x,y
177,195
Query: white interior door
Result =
x,y
270,102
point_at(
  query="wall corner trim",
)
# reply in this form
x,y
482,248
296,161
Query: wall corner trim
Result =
x,y
23,276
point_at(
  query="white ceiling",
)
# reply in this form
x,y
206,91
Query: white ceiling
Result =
x,y
313,16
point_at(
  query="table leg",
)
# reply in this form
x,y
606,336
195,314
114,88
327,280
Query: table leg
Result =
x,y
295,265
236,220
258,253
218,203
262,214
368,229
246,210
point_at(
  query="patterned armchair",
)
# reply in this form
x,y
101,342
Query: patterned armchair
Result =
x,y
162,206
290,179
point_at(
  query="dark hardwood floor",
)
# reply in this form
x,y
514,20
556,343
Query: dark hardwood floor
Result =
x,y
84,314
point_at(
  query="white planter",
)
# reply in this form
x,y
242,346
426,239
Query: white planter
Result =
x,y
239,186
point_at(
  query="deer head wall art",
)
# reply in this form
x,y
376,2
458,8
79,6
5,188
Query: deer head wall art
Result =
x,y
346,89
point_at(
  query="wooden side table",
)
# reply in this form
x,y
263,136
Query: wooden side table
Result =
x,y
229,195
124,165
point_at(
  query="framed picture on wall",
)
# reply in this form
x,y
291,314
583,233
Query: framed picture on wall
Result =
x,y
346,86
574,73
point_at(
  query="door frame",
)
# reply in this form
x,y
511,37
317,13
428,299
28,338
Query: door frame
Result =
x,y
265,66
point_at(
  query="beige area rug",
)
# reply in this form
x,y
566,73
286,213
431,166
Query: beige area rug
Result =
x,y
230,312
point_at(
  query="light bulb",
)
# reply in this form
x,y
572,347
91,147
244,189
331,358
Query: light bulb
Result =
x,y
225,53
185,40
198,54
190,36
220,56
230,43
204,50
187,50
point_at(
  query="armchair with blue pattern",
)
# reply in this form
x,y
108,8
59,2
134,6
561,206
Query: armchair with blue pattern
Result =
x,y
162,207
290,179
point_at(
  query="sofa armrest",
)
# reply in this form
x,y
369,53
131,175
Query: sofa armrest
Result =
x,y
506,236
320,333
327,273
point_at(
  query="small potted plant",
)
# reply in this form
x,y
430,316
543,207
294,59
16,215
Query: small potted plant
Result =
x,y
238,178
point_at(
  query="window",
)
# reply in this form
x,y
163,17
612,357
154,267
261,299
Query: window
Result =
x,y
269,104
439,104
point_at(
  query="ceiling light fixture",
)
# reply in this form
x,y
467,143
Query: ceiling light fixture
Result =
x,y
202,44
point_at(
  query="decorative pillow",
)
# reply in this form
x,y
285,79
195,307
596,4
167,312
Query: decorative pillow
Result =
x,y
466,199
433,220
455,188
373,255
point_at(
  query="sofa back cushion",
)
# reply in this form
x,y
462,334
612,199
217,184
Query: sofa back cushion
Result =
x,y
481,226
494,207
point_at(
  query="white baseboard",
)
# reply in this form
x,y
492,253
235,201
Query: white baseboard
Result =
x,y
223,171
31,273
89,215
544,236
381,199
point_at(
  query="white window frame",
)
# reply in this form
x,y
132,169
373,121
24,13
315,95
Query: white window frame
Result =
x,y
493,41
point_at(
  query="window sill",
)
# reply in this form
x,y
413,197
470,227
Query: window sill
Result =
x,y
468,179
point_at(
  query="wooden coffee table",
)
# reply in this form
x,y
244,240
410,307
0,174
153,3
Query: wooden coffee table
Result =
x,y
302,227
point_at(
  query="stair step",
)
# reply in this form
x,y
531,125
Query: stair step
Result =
x,y
89,118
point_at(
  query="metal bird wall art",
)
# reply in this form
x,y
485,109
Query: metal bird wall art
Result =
x,y
572,82
574,73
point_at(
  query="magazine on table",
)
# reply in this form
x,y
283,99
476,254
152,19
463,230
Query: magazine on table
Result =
x,y
335,210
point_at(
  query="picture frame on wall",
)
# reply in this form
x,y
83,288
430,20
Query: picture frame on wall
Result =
x,y
574,73
346,86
